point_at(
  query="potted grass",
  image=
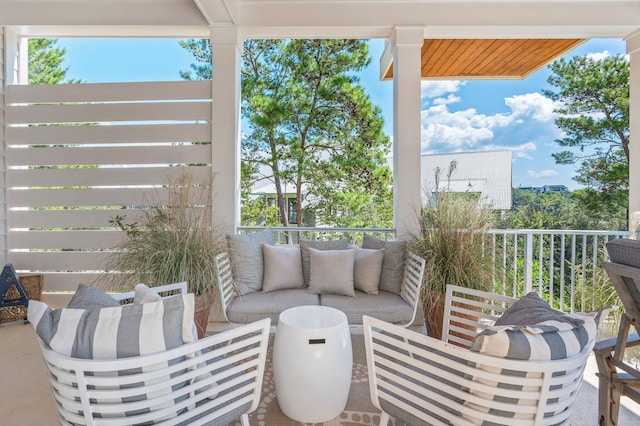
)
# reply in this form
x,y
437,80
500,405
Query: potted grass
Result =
x,y
452,237
174,242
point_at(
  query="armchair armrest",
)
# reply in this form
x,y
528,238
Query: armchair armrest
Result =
x,y
224,278
162,290
412,282
606,346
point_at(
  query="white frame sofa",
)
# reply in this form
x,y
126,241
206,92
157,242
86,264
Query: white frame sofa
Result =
x,y
401,307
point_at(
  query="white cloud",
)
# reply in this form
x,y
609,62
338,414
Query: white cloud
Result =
x,y
451,99
598,56
531,105
438,88
542,173
444,130
455,130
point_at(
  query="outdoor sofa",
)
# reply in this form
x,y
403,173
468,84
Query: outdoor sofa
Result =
x,y
259,279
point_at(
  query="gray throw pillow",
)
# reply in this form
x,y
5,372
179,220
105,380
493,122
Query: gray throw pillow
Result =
x,y
367,269
331,272
144,294
88,297
532,309
245,252
393,263
282,268
306,245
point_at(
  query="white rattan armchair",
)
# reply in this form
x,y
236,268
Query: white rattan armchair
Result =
x,y
212,381
421,380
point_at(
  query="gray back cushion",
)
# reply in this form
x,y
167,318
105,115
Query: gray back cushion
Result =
x,y
392,263
247,266
626,252
88,297
306,245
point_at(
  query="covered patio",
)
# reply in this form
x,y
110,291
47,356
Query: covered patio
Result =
x,y
66,245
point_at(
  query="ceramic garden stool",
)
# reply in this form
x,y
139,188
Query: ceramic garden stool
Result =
x,y
312,363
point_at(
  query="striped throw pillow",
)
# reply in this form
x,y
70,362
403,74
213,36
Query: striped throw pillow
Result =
x,y
115,332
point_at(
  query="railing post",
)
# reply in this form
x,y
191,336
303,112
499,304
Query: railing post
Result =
x,y
528,262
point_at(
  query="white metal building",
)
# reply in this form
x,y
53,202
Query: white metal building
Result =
x,y
487,173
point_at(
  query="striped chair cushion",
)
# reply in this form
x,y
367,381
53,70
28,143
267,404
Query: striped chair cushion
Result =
x,y
531,330
115,332
118,332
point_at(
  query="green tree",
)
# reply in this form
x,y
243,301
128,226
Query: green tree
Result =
x,y
201,51
311,126
554,210
45,62
594,114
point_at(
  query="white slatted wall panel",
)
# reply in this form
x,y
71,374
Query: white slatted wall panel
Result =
x,y
134,137
3,204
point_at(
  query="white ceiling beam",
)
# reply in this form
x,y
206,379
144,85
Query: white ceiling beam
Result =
x,y
448,19
324,18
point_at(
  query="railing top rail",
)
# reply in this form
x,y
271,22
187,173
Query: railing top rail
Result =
x,y
560,232
393,230
315,229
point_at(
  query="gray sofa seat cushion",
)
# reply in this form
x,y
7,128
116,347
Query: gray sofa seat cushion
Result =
x,y
257,305
385,305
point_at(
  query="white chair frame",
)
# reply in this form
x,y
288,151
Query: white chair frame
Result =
x,y
162,290
217,377
422,380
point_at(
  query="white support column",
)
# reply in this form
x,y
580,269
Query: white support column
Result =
x,y
405,45
633,50
226,46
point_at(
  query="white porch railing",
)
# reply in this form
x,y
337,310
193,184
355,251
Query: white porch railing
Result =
x,y
562,266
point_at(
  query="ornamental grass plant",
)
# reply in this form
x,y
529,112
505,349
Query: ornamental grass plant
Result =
x,y
453,238
176,241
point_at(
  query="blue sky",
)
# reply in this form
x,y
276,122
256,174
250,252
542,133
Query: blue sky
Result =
x,y
456,115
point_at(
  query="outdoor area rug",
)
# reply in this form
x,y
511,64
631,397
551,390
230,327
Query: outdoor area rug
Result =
x,y
359,409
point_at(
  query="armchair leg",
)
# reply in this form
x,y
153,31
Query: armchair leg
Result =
x,y
384,419
244,420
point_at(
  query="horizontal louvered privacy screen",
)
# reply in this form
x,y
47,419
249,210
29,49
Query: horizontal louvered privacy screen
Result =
x,y
80,154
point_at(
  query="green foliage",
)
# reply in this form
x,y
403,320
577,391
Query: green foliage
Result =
x,y
175,243
556,210
201,51
594,115
45,62
594,290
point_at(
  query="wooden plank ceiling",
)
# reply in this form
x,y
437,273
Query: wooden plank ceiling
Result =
x,y
488,58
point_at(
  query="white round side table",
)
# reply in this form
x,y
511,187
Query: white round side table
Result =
x,y
312,362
